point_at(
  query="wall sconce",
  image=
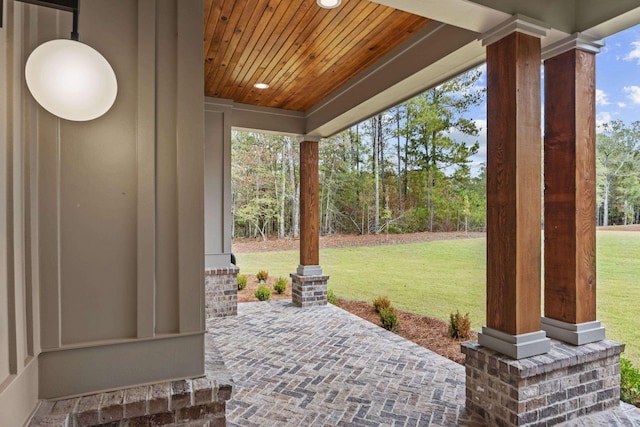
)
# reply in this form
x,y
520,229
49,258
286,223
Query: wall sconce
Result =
x,y
68,78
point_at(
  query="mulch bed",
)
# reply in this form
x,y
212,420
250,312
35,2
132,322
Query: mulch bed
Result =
x,y
250,245
430,333
427,332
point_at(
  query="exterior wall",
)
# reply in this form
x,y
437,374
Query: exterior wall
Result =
x,y
217,184
19,279
101,222
123,201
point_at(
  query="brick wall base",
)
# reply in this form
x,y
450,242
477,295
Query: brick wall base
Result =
x,y
194,402
188,403
221,291
549,389
308,291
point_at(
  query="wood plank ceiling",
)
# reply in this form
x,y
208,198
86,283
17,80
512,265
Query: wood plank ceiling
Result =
x,y
303,52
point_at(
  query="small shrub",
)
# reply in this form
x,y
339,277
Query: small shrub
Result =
x,y
262,275
380,303
263,293
388,318
242,282
629,383
331,297
459,325
280,286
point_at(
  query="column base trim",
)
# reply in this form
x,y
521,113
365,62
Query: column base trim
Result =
x,y
515,346
572,333
309,270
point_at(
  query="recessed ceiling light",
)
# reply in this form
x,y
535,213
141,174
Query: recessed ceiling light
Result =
x,y
261,86
329,4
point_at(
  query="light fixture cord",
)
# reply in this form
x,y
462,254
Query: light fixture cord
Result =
x,y
76,15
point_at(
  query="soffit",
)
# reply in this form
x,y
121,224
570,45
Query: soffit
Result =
x,y
302,51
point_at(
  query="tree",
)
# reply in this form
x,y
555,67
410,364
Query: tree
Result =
x,y
259,212
403,170
431,120
618,157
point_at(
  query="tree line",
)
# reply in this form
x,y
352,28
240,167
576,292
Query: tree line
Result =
x,y
399,171
405,170
618,173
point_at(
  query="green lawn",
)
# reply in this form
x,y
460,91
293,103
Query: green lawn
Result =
x,y
440,277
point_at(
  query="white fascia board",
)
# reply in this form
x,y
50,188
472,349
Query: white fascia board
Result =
x,y
604,18
436,54
459,13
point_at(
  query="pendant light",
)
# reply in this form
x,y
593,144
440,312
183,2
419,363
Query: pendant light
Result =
x,y
67,77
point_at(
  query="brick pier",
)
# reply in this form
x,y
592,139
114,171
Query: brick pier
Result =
x,y
562,385
309,291
221,291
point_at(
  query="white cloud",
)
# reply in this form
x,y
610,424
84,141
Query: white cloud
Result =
x,y
622,104
634,55
633,93
602,118
601,97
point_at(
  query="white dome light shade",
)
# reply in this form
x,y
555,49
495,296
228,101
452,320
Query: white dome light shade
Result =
x,y
329,4
71,80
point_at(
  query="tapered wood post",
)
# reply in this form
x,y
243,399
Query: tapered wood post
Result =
x,y
309,284
570,192
514,193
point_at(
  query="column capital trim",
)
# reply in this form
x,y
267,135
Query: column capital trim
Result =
x,y
517,23
309,138
580,41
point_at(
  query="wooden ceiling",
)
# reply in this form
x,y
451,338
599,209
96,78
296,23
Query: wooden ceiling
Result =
x,y
302,51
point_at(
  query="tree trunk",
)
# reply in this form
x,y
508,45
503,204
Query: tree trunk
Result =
x,y
430,179
605,220
295,190
376,218
296,212
381,161
283,189
327,214
399,162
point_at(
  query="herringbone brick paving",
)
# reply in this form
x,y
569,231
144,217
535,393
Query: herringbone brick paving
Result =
x,y
323,366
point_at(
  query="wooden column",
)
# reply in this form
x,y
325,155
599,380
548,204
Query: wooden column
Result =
x,y
570,198
309,207
514,197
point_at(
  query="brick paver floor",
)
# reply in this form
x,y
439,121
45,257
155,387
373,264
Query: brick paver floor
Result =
x,y
323,366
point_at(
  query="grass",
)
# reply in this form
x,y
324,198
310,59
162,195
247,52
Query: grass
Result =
x,y
618,288
439,277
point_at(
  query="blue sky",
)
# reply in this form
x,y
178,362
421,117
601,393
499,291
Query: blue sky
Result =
x,y
617,87
618,78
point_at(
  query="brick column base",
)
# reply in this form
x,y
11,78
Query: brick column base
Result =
x,y
221,291
549,389
308,291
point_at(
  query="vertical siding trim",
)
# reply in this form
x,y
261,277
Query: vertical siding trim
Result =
x,y
190,145
146,158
